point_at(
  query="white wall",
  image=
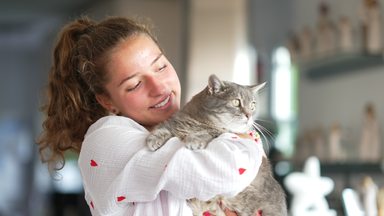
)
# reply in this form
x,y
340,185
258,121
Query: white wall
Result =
x,y
217,35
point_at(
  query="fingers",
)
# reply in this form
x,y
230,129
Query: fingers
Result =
x,y
229,212
245,136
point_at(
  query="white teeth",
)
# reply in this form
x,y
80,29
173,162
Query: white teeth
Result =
x,y
163,103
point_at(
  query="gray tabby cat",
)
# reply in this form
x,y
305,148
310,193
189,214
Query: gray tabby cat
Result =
x,y
223,107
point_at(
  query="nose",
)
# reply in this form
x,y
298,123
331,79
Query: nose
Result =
x,y
157,86
248,116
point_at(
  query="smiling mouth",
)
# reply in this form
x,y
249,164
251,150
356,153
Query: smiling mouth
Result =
x,y
162,103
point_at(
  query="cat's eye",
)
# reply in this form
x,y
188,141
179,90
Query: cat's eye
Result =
x,y
236,102
252,106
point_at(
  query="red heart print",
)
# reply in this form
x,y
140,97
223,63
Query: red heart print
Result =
x,y
92,205
234,137
241,171
93,163
120,198
133,203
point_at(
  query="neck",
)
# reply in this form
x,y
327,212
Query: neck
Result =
x,y
150,128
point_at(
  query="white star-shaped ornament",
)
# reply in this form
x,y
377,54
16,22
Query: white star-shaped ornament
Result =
x,y
309,190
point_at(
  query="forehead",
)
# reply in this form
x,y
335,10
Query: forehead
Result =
x,y
132,56
138,45
237,91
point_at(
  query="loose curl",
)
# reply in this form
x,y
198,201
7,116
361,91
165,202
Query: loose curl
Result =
x,y
79,72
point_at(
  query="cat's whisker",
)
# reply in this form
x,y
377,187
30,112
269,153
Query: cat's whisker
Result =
x,y
262,120
262,129
265,138
265,130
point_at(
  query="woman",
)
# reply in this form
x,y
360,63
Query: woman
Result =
x,y
117,66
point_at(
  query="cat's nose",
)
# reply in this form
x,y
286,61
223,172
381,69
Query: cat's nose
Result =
x,y
248,116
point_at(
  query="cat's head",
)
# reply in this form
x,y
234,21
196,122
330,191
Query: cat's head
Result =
x,y
232,106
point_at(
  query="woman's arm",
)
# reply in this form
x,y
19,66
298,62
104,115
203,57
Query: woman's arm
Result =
x,y
114,162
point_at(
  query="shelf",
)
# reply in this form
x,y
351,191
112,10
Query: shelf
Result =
x,y
351,168
339,63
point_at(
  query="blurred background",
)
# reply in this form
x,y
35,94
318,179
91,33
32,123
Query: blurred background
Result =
x,y
322,61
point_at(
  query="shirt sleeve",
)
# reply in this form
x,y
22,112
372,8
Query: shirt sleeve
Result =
x,y
118,169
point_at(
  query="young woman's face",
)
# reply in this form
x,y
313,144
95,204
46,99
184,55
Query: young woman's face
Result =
x,y
143,86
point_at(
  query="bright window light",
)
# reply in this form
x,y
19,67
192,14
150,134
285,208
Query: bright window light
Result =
x,y
242,70
282,82
283,100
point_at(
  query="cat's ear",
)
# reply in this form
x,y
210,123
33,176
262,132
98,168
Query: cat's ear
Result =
x,y
257,87
214,84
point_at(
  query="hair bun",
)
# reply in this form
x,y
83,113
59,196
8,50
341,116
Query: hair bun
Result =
x,y
87,30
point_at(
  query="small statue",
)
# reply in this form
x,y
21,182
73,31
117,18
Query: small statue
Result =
x,y
369,192
336,152
305,43
370,19
319,143
369,146
293,46
325,41
346,34
380,201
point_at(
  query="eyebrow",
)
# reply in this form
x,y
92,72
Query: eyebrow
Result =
x,y
128,78
134,75
157,58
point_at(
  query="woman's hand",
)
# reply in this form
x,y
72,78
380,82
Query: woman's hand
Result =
x,y
248,136
231,213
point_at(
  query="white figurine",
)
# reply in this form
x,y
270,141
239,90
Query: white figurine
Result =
x,y
293,47
305,43
369,146
319,144
304,147
309,190
369,192
325,40
346,34
370,18
336,153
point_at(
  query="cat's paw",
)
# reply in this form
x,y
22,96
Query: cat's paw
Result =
x,y
195,144
198,140
157,139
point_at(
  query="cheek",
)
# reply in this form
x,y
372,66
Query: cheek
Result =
x,y
131,103
174,79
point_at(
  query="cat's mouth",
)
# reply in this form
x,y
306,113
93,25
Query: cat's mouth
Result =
x,y
163,103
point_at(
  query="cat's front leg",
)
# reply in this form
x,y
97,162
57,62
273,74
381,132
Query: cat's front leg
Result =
x,y
158,138
198,140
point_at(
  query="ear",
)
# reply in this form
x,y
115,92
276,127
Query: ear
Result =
x,y
256,88
214,84
106,103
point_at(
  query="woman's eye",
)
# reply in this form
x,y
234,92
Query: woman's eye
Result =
x,y
236,102
253,105
162,68
134,88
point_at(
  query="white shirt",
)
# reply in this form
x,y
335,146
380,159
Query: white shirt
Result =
x,y
121,177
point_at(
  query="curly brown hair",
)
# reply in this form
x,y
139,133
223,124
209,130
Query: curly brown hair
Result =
x,y
79,72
